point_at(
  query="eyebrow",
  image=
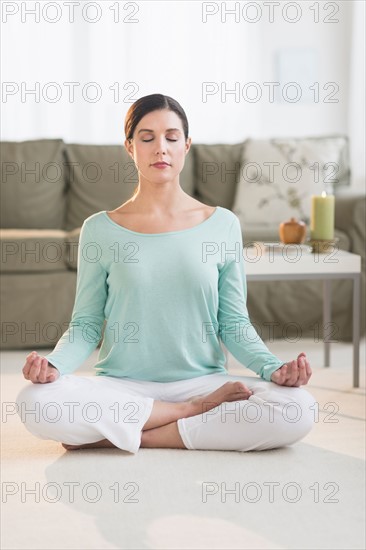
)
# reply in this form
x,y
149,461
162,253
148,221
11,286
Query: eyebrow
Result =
x,y
152,131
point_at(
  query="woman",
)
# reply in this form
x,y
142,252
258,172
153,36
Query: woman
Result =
x,y
166,272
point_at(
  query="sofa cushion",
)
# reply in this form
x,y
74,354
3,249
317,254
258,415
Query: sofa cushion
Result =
x,y
217,169
102,177
31,250
36,308
32,184
271,193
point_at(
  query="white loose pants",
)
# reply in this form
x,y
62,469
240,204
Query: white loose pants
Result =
x,y
79,410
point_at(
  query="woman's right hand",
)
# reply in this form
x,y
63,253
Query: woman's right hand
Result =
x,y
38,370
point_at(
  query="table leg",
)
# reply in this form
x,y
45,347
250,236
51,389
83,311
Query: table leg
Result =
x,y
327,304
356,329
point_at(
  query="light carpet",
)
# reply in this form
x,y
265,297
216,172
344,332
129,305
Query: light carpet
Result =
x,y
309,495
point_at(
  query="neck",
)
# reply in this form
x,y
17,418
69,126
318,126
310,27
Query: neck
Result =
x,y
159,198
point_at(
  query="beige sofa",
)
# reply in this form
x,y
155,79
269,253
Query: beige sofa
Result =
x,y
49,187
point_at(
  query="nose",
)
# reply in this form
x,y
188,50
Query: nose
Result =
x,y
160,146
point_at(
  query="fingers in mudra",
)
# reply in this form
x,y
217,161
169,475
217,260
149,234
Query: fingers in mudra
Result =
x,y
294,373
37,369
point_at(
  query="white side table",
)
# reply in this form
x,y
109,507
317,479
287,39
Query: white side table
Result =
x,y
292,263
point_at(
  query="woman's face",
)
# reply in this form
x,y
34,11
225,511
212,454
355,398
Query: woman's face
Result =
x,y
159,137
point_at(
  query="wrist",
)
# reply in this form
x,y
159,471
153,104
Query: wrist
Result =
x,y
53,366
276,370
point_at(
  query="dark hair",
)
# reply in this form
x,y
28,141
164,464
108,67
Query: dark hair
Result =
x,y
149,103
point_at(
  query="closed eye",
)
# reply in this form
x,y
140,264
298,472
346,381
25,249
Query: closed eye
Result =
x,y
146,140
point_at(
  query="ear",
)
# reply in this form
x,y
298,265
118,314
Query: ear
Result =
x,y
188,144
129,147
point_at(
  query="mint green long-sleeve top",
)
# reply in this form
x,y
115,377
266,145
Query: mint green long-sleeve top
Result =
x,y
165,301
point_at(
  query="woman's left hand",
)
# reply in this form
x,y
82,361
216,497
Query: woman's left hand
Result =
x,y
293,373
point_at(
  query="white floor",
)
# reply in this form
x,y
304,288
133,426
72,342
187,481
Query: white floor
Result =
x,y
156,498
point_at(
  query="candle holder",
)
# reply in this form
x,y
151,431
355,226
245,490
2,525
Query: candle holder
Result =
x,y
322,246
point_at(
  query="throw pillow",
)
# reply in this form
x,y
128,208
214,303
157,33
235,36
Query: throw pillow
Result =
x,y
278,177
217,168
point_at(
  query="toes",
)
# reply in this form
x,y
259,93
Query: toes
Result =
x,y
240,387
70,447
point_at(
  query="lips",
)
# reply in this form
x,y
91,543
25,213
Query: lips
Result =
x,y
160,165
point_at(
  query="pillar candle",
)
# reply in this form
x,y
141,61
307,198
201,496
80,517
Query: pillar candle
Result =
x,y
322,216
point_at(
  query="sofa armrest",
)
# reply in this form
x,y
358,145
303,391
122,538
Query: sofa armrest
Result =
x,y
350,217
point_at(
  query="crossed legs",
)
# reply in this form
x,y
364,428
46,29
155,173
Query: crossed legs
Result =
x,y
230,413
161,430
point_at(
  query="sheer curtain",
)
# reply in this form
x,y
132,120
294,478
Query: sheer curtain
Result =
x,y
357,94
167,50
166,47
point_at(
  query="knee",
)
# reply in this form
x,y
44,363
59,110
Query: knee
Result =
x,y
31,396
290,411
298,414
32,405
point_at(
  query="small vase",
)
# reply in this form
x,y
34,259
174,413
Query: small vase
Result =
x,y
292,231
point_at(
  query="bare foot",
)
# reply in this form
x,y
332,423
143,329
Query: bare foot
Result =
x,y
230,391
98,444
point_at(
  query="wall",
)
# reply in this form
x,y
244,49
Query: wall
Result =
x,y
167,47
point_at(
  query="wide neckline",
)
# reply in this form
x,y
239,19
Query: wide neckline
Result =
x,y
163,233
